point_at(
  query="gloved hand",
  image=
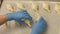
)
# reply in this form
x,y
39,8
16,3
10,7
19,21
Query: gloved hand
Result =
x,y
19,16
39,26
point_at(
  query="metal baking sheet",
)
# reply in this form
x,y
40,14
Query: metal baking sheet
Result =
x,y
53,19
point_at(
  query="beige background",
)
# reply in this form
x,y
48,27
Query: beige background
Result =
x,y
53,19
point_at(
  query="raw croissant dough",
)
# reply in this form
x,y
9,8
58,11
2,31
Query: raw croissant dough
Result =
x,y
35,7
20,6
46,6
57,8
9,7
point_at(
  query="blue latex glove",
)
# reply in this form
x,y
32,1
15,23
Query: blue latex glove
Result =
x,y
19,16
39,26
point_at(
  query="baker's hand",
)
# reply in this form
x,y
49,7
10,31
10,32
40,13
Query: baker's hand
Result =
x,y
39,26
19,16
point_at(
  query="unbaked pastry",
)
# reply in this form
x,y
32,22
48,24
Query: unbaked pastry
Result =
x,y
10,7
20,6
46,6
35,7
57,8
